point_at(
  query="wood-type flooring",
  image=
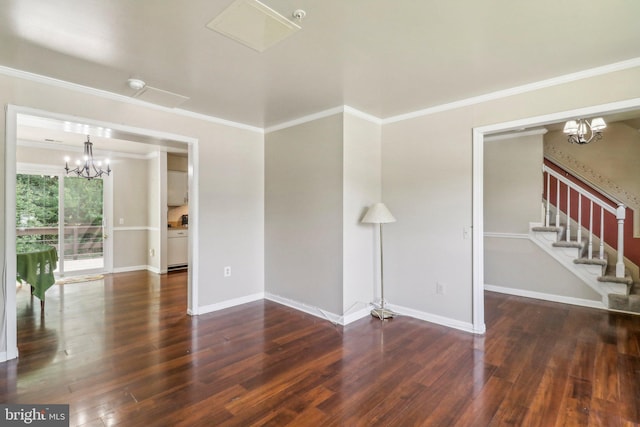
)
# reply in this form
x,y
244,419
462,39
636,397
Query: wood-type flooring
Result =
x,y
123,351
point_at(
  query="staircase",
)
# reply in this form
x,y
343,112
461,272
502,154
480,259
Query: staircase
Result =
x,y
561,236
618,293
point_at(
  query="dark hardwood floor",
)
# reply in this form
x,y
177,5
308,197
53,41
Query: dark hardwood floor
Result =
x,y
123,352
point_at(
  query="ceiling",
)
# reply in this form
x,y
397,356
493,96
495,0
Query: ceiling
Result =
x,y
381,57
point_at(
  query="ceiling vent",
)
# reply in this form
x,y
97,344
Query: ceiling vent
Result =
x,y
253,24
160,97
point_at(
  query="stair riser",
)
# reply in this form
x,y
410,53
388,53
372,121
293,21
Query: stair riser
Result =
x,y
594,270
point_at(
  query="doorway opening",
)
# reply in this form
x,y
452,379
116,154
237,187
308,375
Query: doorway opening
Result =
x,y
123,137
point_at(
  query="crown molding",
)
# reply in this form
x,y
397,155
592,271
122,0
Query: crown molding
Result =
x,y
516,134
304,119
322,114
567,78
38,78
362,115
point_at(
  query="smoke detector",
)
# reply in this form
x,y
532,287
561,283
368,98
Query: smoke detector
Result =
x,y
136,84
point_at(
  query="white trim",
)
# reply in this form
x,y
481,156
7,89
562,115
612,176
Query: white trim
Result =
x,y
567,78
517,134
38,78
3,356
10,309
345,109
362,115
546,297
37,169
506,235
78,149
132,268
356,315
434,318
154,269
229,303
136,228
306,308
193,238
304,119
477,232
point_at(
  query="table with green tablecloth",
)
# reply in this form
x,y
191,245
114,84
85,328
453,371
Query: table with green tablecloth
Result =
x,y
35,265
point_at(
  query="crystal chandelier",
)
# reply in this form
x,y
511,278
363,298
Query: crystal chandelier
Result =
x,y
583,132
89,169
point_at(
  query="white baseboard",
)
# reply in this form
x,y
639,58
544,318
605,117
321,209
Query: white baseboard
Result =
x,y
306,308
228,303
154,269
546,297
131,268
3,356
434,318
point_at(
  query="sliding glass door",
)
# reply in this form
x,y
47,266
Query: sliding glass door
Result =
x,y
83,226
65,212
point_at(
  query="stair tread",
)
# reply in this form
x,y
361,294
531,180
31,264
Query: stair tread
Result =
x,y
613,279
590,261
548,229
565,244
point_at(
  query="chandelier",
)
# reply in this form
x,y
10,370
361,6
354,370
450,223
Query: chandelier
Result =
x,y
583,132
90,169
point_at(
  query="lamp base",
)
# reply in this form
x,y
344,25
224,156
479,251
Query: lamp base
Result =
x,y
382,313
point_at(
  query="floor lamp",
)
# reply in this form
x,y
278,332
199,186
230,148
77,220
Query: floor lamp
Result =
x,y
379,214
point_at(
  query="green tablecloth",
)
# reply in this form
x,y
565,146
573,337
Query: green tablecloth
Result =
x,y
35,265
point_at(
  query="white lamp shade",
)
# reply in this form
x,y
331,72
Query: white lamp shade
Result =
x,y
378,214
571,127
598,124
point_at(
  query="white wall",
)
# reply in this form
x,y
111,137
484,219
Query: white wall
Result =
x,y
131,204
361,188
518,265
230,176
303,213
512,183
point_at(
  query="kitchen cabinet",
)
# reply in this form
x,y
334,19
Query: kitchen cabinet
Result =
x,y
177,188
177,248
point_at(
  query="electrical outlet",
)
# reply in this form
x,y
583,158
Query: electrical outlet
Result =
x,y
227,271
152,252
121,221
439,288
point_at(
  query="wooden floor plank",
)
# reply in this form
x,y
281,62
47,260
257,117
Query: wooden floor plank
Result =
x,y
123,351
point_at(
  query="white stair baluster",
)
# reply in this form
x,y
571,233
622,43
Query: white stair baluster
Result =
x,y
547,213
579,237
620,215
557,202
568,213
601,232
590,229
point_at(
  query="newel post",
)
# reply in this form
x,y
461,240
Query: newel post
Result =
x,y
620,215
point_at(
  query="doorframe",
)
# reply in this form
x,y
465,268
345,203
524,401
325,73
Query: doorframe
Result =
x,y
12,112
478,134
